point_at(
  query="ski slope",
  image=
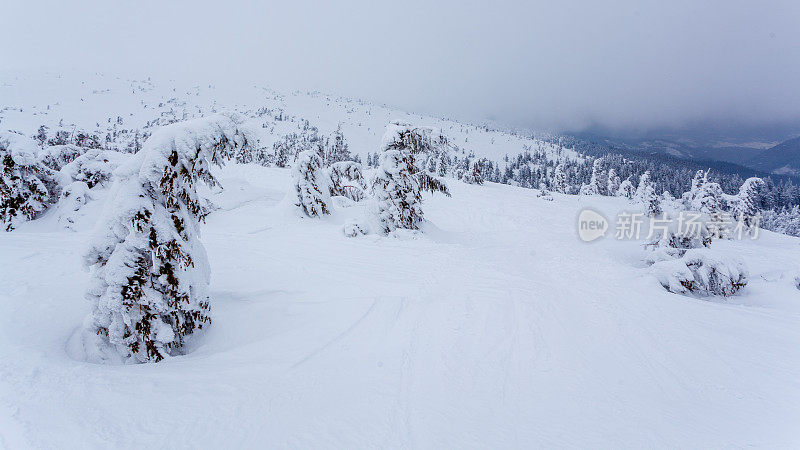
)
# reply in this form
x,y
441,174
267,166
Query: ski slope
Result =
x,y
495,328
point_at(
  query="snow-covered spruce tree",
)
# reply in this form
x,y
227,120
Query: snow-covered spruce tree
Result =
x,y
745,208
150,272
473,174
697,181
310,184
612,188
401,177
339,150
597,184
560,180
347,180
23,181
785,220
397,192
599,180
708,199
626,190
646,195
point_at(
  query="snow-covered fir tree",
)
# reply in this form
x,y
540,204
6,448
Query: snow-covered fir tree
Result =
x,y
784,220
338,149
401,178
745,208
612,187
709,197
311,184
473,174
23,181
347,180
626,190
397,192
150,273
646,194
560,180
597,183
690,197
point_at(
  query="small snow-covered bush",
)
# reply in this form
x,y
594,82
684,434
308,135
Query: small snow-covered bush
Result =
x,y
95,167
353,228
73,197
673,242
347,180
58,156
24,192
544,194
310,184
701,273
150,273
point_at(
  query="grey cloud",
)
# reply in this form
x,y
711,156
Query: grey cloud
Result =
x,y
548,65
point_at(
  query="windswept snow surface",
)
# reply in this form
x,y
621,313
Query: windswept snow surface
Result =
x,y
495,328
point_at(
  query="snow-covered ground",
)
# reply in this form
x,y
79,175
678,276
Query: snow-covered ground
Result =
x,y
497,327
103,103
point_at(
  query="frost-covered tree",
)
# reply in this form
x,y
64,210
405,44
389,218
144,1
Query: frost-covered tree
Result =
x,y
709,198
646,194
560,180
599,180
347,180
597,184
310,184
95,167
339,150
784,220
612,188
544,194
398,192
473,174
56,157
150,272
23,181
701,273
694,189
676,237
73,198
401,177
745,208
626,190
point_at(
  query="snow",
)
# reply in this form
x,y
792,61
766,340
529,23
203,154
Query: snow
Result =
x,y
494,327
103,103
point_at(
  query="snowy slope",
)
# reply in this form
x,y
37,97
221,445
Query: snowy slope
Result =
x,y
101,103
496,328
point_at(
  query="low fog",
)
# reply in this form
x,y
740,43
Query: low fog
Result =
x,y
622,65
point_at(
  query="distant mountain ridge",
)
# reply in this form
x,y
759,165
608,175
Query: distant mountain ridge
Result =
x,y
780,159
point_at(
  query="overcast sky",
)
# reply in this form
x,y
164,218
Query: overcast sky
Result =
x,y
548,65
